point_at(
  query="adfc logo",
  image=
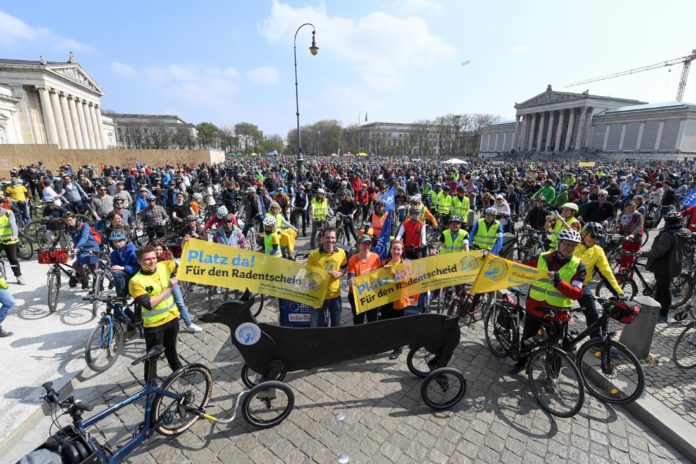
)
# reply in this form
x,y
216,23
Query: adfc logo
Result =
x,y
469,263
311,280
496,270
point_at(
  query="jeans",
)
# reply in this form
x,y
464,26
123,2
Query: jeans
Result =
x,y
7,303
589,306
120,280
318,316
178,296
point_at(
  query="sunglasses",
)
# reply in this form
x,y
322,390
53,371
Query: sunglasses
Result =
x,y
150,201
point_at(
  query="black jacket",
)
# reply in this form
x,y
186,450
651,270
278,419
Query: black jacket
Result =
x,y
666,257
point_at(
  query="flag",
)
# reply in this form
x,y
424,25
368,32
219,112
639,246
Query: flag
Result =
x,y
498,273
690,199
382,247
388,199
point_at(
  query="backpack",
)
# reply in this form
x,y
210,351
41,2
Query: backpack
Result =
x,y
97,236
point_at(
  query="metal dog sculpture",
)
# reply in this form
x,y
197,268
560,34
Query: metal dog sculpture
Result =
x,y
277,350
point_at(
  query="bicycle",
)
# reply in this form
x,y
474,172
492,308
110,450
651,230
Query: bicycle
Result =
x,y
106,341
58,258
526,244
469,308
170,410
684,352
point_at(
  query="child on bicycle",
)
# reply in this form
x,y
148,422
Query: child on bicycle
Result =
x,y
86,248
124,263
271,238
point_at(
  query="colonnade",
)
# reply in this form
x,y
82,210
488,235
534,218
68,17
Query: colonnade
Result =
x,y
70,121
553,131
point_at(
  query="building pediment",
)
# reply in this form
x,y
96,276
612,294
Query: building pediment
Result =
x,y
76,74
550,97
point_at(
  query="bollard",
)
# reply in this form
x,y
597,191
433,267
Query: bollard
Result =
x,y
638,335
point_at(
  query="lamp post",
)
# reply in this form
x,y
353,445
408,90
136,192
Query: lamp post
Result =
x,y
359,131
313,50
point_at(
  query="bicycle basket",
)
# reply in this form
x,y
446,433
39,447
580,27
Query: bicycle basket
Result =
x,y
48,256
624,311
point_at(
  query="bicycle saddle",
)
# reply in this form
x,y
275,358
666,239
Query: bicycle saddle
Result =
x,y
154,353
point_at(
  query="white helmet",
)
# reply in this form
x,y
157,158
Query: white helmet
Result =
x,y
569,234
222,212
492,211
197,196
269,221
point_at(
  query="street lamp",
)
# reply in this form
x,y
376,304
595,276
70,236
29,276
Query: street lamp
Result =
x,y
359,132
313,50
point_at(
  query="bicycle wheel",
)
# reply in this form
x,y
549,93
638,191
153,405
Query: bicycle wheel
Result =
x,y
498,336
628,285
556,382
611,371
104,345
97,290
53,289
443,388
251,238
682,287
267,404
192,387
25,249
418,361
684,353
251,379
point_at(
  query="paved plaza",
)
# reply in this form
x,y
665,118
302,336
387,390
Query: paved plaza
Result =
x,y
369,410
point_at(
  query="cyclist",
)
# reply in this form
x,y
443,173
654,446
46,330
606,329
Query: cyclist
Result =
x,y
413,233
347,208
86,248
631,224
230,234
163,254
487,233
154,219
271,238
592,256
425,214
300,206
454,238
536,217
216,219
319,211
373,227
557,222
124,263
9,237
191,228
443,204
18,194
563,285
460,204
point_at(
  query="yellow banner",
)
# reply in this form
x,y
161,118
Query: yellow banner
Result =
x,y
210,263
390,284
498,273
587,164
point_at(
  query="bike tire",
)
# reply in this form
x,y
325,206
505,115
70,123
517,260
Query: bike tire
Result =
x,y
681,288
616,378
193,385
266,416
25,249
53,289
646,237
438,391
552,363
104,342
684,352
249,379
97,290
418,361
498,338
628,285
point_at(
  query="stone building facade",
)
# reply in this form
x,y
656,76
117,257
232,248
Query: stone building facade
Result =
x,y
416,139
152,131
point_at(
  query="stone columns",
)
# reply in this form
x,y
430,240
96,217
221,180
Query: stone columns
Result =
x,y
83,123
515,136
100,128
69,129
540,137
559,131
79,140
90,124
569,132
532,127
58,116
47,112
579,141
96,126
549,131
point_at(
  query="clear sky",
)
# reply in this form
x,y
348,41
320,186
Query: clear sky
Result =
x,y
401,61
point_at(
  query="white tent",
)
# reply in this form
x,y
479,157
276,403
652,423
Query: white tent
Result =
x,y
454,161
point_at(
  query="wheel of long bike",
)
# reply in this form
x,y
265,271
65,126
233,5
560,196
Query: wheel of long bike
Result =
x,y
192,386
611,371
418,361
104,345
629,287
259,301
443,388
682,287
556,382
217,296
684,353
53,289
267,404
97,290
498,338
252,379
446,294
25,249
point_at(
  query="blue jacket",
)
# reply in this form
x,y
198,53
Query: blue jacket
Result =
x,y
83,239
126,258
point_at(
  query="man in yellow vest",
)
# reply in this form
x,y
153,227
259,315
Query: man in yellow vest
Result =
x,y
558,222
460,204
151,288
9,236
563,285
455,238
319,212
487,233
443,204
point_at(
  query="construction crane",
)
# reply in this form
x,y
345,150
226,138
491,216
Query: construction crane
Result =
x,y
682,81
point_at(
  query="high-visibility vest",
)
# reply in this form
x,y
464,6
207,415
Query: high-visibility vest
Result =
x,y
412,232
377,223
486,236
152,316
452,245
460,207
6,229
434,198
268,245
553,238
443,204
279,220
320,210
544,290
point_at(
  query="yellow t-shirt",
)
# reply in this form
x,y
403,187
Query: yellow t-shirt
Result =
x,y
17,192
333,262
154,283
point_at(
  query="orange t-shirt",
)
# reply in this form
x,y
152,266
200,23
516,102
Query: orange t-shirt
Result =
x,y
357,267
405,300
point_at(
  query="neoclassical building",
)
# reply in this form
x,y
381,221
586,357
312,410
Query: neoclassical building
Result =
x,y
50,102
561,122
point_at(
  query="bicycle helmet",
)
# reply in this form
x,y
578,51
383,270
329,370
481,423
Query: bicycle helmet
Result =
x,y
492,211
672,217
595,229
570,235
269,221
416,198
150,197
197,196
118,235
571,206
229,218
455,218
221,212
190,217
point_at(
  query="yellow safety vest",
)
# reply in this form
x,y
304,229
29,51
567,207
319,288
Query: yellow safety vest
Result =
x,y
279,220
451,246
6,229
320,210
153,317
485,237
268,246
443,204
557,228
460,207
544,290
435,199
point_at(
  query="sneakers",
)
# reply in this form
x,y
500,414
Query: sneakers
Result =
x,y
20,281
193,328
395,354
5,333
85,284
